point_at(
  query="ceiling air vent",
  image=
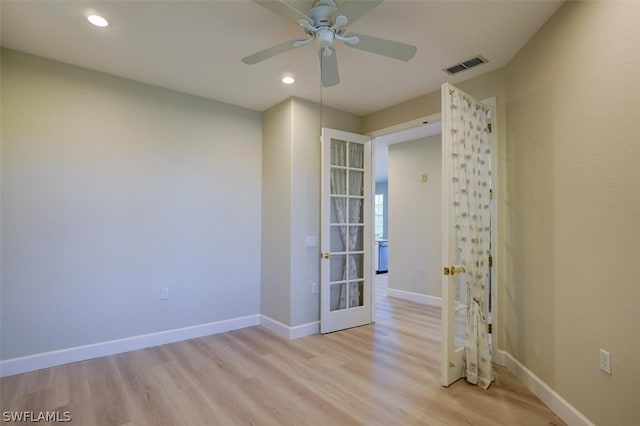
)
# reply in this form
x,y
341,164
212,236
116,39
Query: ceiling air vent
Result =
x,y
465,65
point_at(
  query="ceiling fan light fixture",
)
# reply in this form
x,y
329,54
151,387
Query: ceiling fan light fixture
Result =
x,y
98,21
324,37
287,79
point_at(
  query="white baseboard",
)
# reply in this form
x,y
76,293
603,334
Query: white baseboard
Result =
x,y
500,358
304,330
567,412
415,297
287,332
13,366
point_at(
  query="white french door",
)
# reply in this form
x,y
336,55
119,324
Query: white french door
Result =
x,y
466,210
346,233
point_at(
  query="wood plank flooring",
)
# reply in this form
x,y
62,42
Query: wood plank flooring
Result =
x,y
386,373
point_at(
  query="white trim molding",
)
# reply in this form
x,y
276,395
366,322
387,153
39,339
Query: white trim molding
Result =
x,y
287,332
567,412
24,364
406,125
498,357
425,299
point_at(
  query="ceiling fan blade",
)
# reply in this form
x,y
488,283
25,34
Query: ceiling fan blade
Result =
x,y
268,53
381,46
356,9
329,68
281,8
339,23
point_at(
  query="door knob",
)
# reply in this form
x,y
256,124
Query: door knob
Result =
x,y
452,270
325,255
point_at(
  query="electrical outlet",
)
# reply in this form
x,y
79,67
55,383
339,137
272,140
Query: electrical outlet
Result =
x,y
605,361
314,287
164,293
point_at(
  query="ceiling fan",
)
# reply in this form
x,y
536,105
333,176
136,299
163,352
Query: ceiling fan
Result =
x,y
325,23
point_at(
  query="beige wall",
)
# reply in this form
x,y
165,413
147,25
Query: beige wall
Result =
x,y
292,152
482,87
568,203
573,119
415,216
112,190
305,306
275,290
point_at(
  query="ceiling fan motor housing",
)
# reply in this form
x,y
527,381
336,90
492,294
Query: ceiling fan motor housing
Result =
x,y
321,13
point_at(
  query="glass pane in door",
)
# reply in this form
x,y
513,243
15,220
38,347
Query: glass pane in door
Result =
x,y
338,153
338,267
356,294
338,209
356,267
460,332
338,297
356,155
356,238
355,210
338,238
356,182
461,299
338,181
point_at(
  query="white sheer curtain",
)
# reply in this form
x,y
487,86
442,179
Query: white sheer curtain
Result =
x,y
471,153
347,212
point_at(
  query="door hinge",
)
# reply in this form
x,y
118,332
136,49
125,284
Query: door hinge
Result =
x,y
489,127
490,261
491,194
489,328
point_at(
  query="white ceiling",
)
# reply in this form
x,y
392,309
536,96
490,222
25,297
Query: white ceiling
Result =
x,y
196,46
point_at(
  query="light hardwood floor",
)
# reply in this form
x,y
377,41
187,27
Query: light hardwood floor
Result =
x,y
386,373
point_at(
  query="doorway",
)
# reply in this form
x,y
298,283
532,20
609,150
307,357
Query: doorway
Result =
x,y
408,179
412,130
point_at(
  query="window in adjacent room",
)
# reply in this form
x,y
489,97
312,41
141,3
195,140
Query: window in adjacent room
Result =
x,y
379,216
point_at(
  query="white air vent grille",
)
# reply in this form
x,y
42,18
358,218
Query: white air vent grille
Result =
x,y
465,65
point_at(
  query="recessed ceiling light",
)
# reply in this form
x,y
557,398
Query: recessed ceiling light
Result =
x,y
288,80
98,21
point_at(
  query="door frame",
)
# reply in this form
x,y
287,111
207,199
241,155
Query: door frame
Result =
x,y
496,249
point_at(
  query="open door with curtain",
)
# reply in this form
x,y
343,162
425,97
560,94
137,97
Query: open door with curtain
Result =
x,y
466,245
